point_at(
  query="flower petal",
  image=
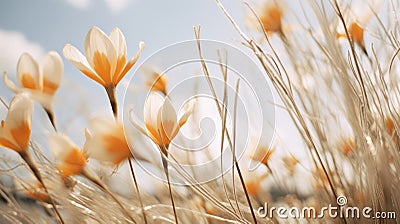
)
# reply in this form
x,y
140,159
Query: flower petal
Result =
x,y
46,100
102,125
79,61
28,73
8,144
117,78
118,39
152,105
10,84
61,146
167,123
18,120
108,141
187,111
53,69
154,80
101,54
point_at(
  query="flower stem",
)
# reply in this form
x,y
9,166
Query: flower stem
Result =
x,y
137,190
111,93
165,165
50,114
32,165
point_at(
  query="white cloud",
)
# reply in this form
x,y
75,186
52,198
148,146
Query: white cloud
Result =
x,y
12,45
80,4
113,5
117,5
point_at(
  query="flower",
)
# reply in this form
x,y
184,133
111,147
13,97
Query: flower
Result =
x,y
104,61
356,33
74,163
15,133
347,146
357,19
40,82
160,119
271,17
15,130
290,163
263,154
154,80
253,179
31,188
108,142
270,14
258,152
71,157
390,126
105,58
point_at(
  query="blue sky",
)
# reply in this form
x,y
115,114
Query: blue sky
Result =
x,y
43,25
53,23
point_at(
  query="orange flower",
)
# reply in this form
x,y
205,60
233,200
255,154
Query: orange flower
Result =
x,y
390,127
108,142
290,163
253,179
357,19
71,157
270,14
33,189
15,130
271,18
356,33
161,120
348,146
41,83
262,154
105,59
154,80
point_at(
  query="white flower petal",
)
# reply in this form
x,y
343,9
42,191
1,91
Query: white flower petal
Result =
x,y
94,149
166,120
98,50
151,107
16,128
79,61
28,73
102,125
44,99
52,70
118,39
20,111
187,111
61,146
10,84
129,64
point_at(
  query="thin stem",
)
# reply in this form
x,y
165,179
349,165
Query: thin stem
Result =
x,y
165,165
111,93
50,114
32,165
86,173
207,75
137,190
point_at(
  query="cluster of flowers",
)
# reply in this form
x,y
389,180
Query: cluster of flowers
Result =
x,y
105,61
